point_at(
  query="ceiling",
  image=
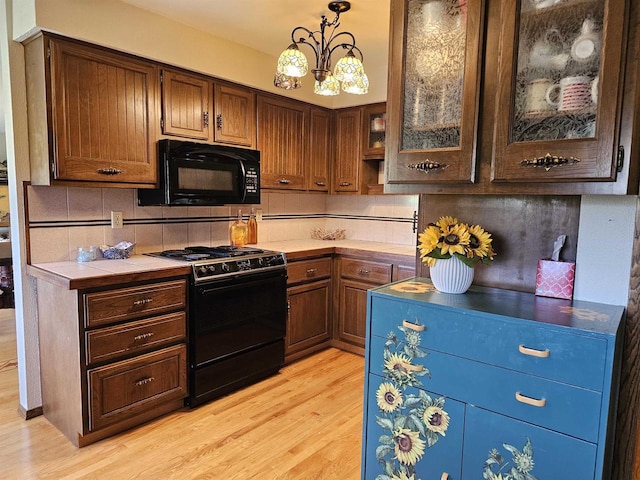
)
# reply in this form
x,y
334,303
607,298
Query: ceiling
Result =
x,y
266,25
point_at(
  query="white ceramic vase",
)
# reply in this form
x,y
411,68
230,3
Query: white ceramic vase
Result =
x,y
450,275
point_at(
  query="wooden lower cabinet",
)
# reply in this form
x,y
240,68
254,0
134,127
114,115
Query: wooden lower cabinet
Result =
x,y
489,384
309,302
111,357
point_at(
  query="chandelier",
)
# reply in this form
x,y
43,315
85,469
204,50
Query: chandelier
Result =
x,y
348,73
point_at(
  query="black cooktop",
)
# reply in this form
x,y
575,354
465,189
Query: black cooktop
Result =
x,y
205,253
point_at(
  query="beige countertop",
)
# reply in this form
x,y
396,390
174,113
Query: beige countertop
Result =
x,y
74,275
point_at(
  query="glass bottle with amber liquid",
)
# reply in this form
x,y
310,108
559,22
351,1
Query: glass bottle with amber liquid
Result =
x,y
238,232
252,228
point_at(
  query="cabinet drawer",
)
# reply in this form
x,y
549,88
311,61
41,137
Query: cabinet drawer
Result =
x,y
125,389
561,407
111,343
554,455
374,272
519,345
309,270
127,303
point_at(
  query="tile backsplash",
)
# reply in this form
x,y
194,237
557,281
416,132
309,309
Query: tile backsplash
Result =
x,y
61,219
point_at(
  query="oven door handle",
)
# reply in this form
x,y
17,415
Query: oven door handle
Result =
x,y
242,281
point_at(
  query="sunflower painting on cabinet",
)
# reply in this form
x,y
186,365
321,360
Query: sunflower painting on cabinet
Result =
x,y
411,422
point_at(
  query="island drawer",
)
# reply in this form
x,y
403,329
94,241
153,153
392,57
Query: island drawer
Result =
x,y
516,344
127,388
111,306
112,343
364,270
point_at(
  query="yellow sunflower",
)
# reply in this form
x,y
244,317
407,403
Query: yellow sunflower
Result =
x,y
496,476
436,419
445,222
389,397
428,240
479,242
409,446
454,240
397,363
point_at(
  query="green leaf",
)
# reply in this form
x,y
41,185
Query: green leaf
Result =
x,y
386,439
417,423
432,438
382,451
385,423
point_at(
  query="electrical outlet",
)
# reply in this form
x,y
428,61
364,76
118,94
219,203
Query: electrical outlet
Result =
x,y
259,215
116,220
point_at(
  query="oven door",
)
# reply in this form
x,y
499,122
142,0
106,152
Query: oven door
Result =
x,y
236,332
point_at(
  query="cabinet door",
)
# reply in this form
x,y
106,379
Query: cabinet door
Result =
x,y
429,448
348,150
185,105
352,311
374,128
558,88
320,154
282,139
309,314
434,85
495,444
103,108
235,110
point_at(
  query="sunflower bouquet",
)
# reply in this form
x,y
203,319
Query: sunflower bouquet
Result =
x,y
448,237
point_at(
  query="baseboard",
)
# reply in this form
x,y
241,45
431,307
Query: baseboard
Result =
x,y
29,414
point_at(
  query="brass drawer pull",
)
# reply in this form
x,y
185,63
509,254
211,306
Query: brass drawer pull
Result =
x,y
549,161
284,181
144,381
321,184
413,326
445,476
362,271
531,401
533,352
109,171
311,272
345,184
144,301
143,336
427,166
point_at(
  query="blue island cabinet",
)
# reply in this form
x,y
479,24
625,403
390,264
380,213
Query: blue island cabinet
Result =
x,y
491,384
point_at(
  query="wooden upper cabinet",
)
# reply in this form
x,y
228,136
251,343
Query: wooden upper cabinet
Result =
x,y
374,122
100,114
348,150
558,90
320,150
235,116
283,127
434,91
186,103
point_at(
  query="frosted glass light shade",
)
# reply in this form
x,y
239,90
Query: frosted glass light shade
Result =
x,y
360,86
329,86
348,68
292,62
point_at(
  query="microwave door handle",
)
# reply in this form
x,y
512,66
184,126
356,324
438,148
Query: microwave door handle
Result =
x,y
243,175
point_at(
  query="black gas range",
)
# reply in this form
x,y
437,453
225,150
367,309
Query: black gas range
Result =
x,y
237,317
223,261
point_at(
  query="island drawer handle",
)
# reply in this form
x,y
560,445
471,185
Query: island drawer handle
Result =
x,y
345,184
445,476
531,401
533,352
414,368
144,381
320,184
311,272
143,336
413,326
143,301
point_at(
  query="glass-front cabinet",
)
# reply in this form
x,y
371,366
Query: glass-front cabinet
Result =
x,y
434,87
558,88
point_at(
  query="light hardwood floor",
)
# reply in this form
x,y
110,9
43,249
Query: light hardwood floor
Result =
x,y
304,423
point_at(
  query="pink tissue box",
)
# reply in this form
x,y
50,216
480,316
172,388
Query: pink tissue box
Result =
x,y
555,279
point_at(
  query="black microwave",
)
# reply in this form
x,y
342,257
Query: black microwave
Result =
x,y
193,173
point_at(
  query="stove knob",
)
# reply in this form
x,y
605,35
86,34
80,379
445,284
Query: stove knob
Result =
x,y
202,269
224,267
261,262
212,269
